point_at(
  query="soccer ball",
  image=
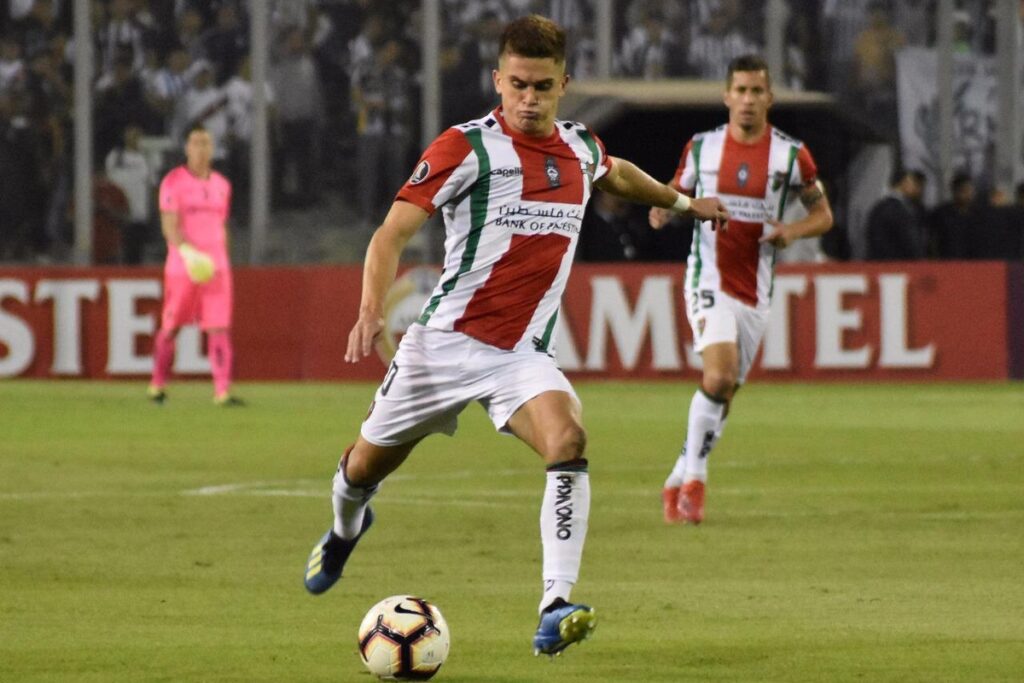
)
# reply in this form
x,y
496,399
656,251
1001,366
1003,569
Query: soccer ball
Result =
x,y
403,638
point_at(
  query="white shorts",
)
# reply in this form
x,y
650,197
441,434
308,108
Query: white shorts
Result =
x,y
715,317
436,373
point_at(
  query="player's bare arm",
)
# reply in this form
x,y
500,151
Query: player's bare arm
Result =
x,y
817,222
627,180
379,270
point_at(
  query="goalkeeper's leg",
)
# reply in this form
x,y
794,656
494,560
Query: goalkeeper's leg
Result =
x,y
163,356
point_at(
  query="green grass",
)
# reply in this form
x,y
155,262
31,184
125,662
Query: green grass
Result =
x,y
854,533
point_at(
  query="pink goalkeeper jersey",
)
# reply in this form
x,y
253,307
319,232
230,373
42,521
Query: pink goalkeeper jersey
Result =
x,y
203,206
512,207
756,182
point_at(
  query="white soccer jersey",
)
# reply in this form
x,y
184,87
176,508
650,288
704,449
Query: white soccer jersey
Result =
x,y
512,207
756,182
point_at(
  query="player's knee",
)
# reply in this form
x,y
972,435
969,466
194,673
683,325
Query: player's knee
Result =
x,y
719,384
565,444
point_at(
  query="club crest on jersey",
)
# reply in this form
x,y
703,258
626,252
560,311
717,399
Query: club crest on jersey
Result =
x,y
743,174
421,173
551,169
588,170
778,179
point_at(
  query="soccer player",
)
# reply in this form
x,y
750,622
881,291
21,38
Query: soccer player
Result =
x,y
758,171
194,206
512,187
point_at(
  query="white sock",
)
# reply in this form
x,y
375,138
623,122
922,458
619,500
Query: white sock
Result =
x,y
563,528
675,477
702,430
349,504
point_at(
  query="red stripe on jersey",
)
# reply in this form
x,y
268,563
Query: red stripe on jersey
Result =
x,y
551,170
677,179
808,169
737,252
502,308
441,158
744,168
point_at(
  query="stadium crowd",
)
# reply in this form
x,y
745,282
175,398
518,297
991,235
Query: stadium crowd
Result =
x,y
344,87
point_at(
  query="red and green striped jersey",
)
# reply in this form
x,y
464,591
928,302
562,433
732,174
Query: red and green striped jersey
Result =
x,y
512,207
756,182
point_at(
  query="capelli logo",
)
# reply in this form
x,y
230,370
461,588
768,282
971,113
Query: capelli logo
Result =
x,y
421,173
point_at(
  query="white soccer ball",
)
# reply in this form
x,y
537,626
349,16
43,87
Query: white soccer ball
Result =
x,y
403,638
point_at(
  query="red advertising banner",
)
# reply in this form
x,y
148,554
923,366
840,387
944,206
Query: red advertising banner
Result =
x,y
893,321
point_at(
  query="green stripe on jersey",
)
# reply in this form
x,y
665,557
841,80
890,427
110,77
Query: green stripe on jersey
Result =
x,y
793,151
478,199
697,192
545,339
594,151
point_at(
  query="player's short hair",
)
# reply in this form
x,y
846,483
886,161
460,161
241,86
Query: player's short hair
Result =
x,y
747,63
195,128
533,36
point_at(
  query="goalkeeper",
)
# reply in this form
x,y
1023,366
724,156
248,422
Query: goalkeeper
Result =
x,y
194,207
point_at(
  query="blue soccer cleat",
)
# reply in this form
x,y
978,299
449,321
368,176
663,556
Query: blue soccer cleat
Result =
x,y
323,569
561,625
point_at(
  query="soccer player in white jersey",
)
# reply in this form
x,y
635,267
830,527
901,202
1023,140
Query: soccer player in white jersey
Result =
x,y
759,173
512,187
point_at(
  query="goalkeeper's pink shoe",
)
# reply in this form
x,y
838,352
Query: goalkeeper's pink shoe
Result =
x,y
691,501
670,505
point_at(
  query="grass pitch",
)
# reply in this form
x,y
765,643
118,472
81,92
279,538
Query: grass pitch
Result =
x,y
853,533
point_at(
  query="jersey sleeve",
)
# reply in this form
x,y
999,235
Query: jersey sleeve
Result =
x,y
685,178
168,196
603,162
806,170
447,169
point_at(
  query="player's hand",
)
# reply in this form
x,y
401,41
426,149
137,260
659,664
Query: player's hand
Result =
x,y
779,236
658,217
198,264
710,209
362,337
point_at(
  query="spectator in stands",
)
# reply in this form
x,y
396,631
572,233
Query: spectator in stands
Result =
x,y
226,43
190,33
12,66
206,105
121,35
22,198
608,233
895,225
166,87
460,68
128,169
380,95
120,102
649,49
297,88
1015,222
841,22
875,67
999,235
38,28
955,224
722,38
239,91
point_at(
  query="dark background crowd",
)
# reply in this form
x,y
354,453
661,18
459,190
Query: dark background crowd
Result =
x,y
344,88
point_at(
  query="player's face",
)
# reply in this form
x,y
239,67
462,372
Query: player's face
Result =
x,y
199,150
749,97
530,88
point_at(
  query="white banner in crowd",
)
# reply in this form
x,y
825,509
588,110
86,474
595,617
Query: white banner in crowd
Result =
x,y
975,115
